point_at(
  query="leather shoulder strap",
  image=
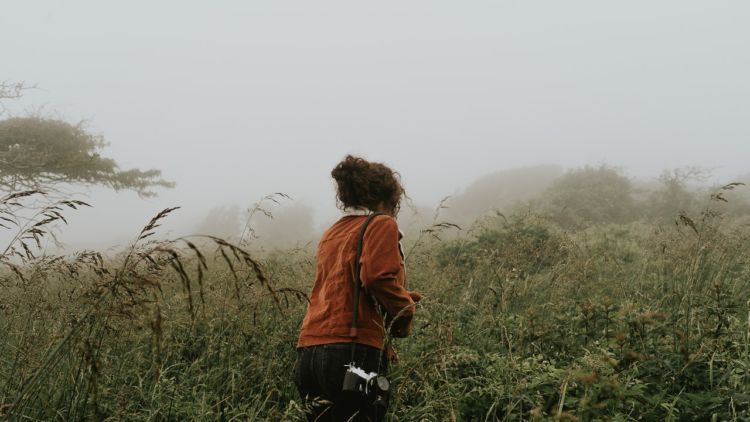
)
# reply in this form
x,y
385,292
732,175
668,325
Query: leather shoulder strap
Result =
x,y
357,278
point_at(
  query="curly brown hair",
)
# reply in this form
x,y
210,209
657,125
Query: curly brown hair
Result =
x,y
364,184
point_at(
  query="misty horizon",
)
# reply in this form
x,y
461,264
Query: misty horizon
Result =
x,y
236,102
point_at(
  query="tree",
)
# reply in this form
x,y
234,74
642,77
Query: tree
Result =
x,y
223,221
38,153
500,190
675,196
589,196
11,91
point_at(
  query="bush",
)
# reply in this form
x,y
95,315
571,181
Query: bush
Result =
x,y
589,196
521,244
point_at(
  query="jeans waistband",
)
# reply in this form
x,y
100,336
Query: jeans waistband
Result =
x,y
340,346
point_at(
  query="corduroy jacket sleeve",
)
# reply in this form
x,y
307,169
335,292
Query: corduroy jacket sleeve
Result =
x,y
382,274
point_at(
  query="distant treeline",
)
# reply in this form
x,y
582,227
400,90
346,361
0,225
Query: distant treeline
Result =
x,y
587,196
573,199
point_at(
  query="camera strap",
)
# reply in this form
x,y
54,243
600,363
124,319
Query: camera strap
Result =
x,y
358,279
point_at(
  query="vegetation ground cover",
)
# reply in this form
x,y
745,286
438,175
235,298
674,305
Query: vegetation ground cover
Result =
x,y
524,318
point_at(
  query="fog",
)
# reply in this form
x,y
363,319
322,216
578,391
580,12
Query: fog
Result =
x,y
236,100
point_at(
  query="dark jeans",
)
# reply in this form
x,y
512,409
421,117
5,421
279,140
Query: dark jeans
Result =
x,y
319,376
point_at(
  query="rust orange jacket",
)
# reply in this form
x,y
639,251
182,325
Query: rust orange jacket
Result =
x,y
329,313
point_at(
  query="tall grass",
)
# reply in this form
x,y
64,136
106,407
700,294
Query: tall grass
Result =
x,y
521,320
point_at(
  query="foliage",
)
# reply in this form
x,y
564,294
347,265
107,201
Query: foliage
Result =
x,y
632,321
737,201
40,153
674,195
589,196
500,190
522,244
11,91
220,221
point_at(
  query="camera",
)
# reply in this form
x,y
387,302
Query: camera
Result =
x,y
368,385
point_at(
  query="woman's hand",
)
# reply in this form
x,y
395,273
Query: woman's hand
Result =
x,y
415,296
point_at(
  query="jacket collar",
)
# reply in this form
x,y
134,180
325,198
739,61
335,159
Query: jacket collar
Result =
x,y
354,212
351,212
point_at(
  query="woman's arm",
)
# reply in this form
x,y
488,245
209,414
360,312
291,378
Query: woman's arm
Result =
x,y
381,266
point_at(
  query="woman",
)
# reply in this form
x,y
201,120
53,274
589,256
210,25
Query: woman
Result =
x,y
329,339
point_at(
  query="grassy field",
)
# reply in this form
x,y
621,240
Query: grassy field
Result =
x,y
522,320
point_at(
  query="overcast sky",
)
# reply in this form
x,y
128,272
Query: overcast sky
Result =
x,y
236,99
